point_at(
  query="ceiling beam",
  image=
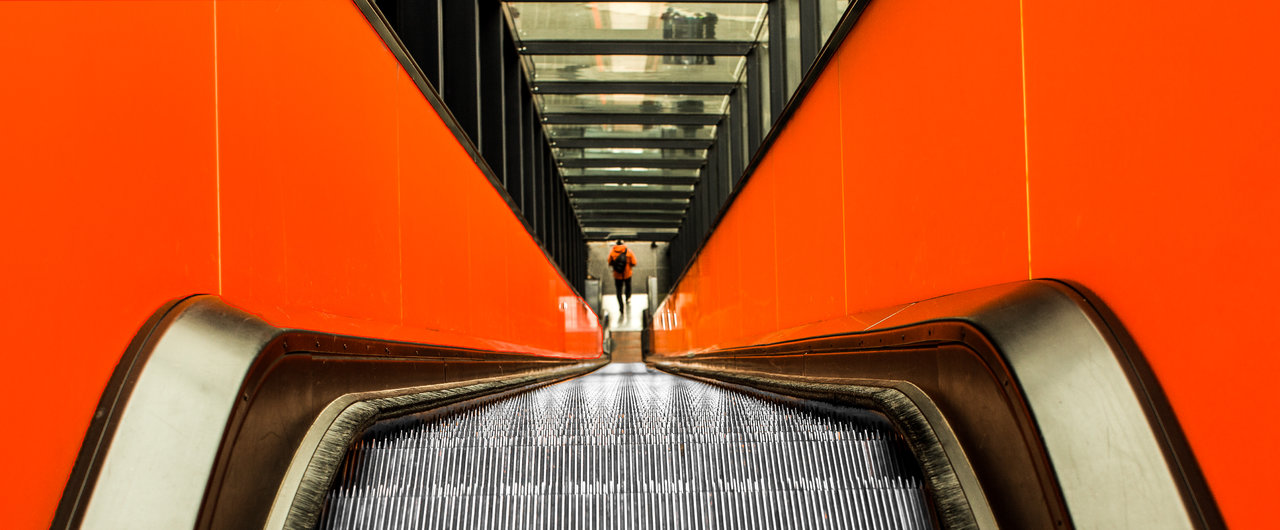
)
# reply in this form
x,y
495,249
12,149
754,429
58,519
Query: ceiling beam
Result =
x,y
629,193
660,163
635,47
634,87
650,1
633,143
631,179
635,223
614,214
630,235
592,118
632,204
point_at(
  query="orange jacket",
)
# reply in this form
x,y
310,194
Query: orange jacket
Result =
x,y
631,261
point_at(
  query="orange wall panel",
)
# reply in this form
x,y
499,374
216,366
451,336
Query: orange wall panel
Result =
x,y
888,184
271,152
434,239
931,122
754,211
1143,167
323,130
387,228
809,209
109,210
1153,145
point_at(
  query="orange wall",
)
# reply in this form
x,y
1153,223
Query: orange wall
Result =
x,y
271,152
1144,167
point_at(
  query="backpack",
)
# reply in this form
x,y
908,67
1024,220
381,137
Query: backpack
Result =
x,y
619,262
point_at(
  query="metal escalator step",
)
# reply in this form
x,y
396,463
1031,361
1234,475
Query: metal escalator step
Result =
x,y
632,449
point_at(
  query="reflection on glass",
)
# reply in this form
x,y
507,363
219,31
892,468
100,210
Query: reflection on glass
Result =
x,y
630,131
766,97
795,70
829,13
682,69
632,103
631,153
635,20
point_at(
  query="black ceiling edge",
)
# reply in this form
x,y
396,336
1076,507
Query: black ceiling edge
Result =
x,y
393,43
850,19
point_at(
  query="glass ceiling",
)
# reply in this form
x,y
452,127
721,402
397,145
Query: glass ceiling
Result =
x,y
646,187
637,68
629,103
635,20
632,153
630,131
627,172
594,66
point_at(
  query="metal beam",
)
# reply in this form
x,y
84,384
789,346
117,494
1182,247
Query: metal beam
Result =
x,y
633,143
664,163
636,223
592,118
634,87
633,179
650,1
633,204
636,47
598,235
626,193
585,215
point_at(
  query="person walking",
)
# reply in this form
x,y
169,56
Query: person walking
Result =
x,y
621,260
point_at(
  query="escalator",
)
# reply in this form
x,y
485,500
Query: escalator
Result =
x,y
627,447
1017,406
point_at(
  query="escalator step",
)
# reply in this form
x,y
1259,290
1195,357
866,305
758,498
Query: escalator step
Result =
x,y
629,448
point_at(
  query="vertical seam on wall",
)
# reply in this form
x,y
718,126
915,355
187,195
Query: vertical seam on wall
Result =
x,y
773,230
399,194
844,222
1026,147
217,149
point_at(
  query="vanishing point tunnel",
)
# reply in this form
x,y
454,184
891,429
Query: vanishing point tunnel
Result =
x,y
343,263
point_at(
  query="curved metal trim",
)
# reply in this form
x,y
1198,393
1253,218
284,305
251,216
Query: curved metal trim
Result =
x,y
207,395
301,497
151,466
1116,460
